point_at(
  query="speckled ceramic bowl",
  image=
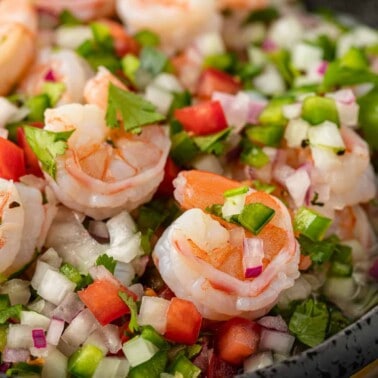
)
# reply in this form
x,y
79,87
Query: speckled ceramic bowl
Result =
x,y
357,346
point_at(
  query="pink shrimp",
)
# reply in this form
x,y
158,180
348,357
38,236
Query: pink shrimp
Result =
x,y
200,256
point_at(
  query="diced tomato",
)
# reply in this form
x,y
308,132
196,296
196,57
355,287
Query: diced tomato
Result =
x,y
203,118
171,170
213,80
123,42
238,338
12,160
31,160
102,299
183,322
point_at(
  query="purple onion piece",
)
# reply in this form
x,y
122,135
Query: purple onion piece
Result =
x,y
253,272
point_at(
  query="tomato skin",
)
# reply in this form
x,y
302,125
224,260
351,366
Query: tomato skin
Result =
x,y
238,338
31,160
102,299
213,80
12,160
203,118
183,322
171,170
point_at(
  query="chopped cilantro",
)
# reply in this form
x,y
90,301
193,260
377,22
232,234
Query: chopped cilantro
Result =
x,y
10,312
37,106
263,187
309,322
180,100
215,209
183,148
265,15
133,325
134,110
68,19
214,143
337,322
147,38
54,91
47,145
107,261
23,369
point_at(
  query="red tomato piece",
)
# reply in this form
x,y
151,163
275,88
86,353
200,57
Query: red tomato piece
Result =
x,y
183,322
203,118
213,80
171,170
12,160
31,160
102,299
238,338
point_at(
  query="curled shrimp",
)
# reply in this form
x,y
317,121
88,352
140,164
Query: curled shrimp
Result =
x,y
176,22
200,256
60,66
104,171
85,10
242,4
18,26
22,222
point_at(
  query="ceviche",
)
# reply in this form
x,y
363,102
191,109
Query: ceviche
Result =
x,y
187,187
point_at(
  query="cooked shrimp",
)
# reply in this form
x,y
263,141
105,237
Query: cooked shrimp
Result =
x,y
85,10
104,171
176,22
242,4
200,256
18,26
22,219
63,66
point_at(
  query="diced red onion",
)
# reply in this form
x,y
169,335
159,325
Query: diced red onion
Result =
x,y
276,341
345,96
276,323
373,271
253,253
4,366
55,331
39,338
237,236
322,68
50,76
15,355
268,45
68,308
255,109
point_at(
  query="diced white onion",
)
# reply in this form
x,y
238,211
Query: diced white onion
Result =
x,y
15,355
125,273
301,290
55,286
296,132
55,331
304,56
55,364
138,350
210,44
161,98
18,291
348,114
98,228
70,306
112,367
111,336
71,37
326,135
80,328
137,289
298,184
292,111
253,254
340,288
34,319
168,82
286,32
276,341
233,205
7,110
153,311
270,81
276,323
52,258
124,240
257,361
96,338
19,336
256,56
208,163
40,270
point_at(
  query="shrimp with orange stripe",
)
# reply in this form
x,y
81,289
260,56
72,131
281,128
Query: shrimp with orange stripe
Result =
x,y
225,269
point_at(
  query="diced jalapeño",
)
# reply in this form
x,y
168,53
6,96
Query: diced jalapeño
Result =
x,y
316,110
255,216
311,224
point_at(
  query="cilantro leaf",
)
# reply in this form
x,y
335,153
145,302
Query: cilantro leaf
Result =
x,y
107,261
47,145
309,322
134,110
319,251
131,304
212,143
68,19
10,312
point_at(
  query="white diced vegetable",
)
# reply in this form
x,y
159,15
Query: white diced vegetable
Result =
x,y
153,311
139,350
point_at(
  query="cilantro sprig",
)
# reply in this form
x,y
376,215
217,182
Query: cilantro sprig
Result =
x,y
133,109
131,304
47,145
107,261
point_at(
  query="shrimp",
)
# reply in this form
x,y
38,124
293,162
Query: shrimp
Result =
x,y
85,10
22,221
18,26
242,4
176,22
200,256
63,66
104,171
